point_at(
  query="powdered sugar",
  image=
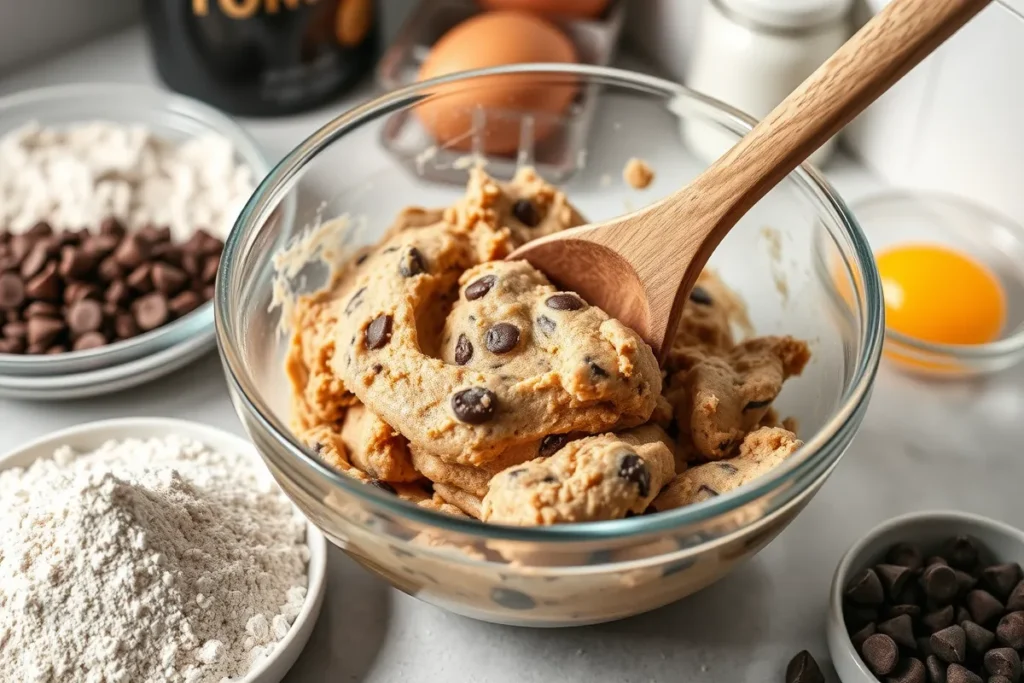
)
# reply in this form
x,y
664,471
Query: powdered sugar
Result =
x,y
158,561
75,176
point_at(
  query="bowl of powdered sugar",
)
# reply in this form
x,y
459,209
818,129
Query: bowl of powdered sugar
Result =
x,y
115,201
153,550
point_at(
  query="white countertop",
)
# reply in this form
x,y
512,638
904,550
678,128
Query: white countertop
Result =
x,y
922,446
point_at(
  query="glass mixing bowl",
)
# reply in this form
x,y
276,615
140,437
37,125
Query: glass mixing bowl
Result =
x,y
575,573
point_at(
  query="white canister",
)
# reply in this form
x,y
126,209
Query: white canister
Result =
x,y
752,53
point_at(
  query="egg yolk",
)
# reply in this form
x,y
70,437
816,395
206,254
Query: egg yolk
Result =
x,y
941,296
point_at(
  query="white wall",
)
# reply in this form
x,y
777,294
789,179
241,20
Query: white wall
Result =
x,y
34,29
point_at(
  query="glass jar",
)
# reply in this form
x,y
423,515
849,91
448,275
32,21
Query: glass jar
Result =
x,y
261,57
752,53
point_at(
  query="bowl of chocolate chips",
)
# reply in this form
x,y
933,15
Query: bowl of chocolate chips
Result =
x,y
114,204
933,597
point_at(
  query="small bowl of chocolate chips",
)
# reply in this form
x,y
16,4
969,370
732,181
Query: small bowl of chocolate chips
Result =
x,y
932,597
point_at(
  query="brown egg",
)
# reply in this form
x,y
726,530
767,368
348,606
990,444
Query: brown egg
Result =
x,y
497,104
566,8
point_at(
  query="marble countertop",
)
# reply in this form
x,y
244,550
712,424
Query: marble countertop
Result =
x,y
922,446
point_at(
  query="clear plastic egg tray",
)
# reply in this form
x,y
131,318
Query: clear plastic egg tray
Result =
x,y
556,156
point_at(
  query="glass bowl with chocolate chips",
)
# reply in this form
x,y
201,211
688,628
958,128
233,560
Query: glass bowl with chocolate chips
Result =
x,y
114,202
495,445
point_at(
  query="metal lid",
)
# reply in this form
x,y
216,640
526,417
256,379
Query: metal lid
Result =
x,y
789,14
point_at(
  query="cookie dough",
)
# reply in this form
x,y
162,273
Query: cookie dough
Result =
x,y
760,451
591,479
436,371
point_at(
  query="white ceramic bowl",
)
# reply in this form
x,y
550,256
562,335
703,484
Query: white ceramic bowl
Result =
x,y
91,435
929,529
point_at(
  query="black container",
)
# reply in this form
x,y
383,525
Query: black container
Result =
x,y
262,57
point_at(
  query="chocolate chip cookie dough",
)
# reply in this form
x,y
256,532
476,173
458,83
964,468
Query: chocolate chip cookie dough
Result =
x,y
439,372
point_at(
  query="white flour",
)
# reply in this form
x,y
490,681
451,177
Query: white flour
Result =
x,y
75,176
145,562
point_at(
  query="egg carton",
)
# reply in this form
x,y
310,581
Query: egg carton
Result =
x,y
559,154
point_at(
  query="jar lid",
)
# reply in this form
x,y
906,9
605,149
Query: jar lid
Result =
x,y
789,14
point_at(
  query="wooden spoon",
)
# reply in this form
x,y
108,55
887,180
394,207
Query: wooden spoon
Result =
x,y
641,267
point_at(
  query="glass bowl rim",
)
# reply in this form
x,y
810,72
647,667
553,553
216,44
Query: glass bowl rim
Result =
x,y
199,321
1001,348
269,194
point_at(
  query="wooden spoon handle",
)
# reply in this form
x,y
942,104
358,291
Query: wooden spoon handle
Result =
x,y
877,56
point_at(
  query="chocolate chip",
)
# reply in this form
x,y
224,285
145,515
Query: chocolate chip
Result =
x,y
936,669
475,405
512,599
526,213
501,338
117,293
1016,600
856,615
168,279
961,552
109,270
362,259
151,234
551,444
935,559
699,295
909,670
938,619
880,653
596,370
378,332
964,581
979,638
939,583
43,331
40,229
46,285
75,262
803,669
905,555
411,263
184,303
893,577
55,349
865,588
463,350
564,302
1010,630
924,647
354,302
913,611
89,340
479,287
1000,679
132,252
1001,578
210,267
41,308
34,261
549,479
863,634
959,674
1003,661
84,316
962,615
983,606
12,291
632,468
757,405
141,279
383,486
377,368
150,311
191,263
11,346
101,246
726,467
124,326
112,226
15,330
900,629
950,644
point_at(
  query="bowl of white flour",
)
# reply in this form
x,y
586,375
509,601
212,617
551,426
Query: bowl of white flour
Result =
x,y
74,156
151,549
